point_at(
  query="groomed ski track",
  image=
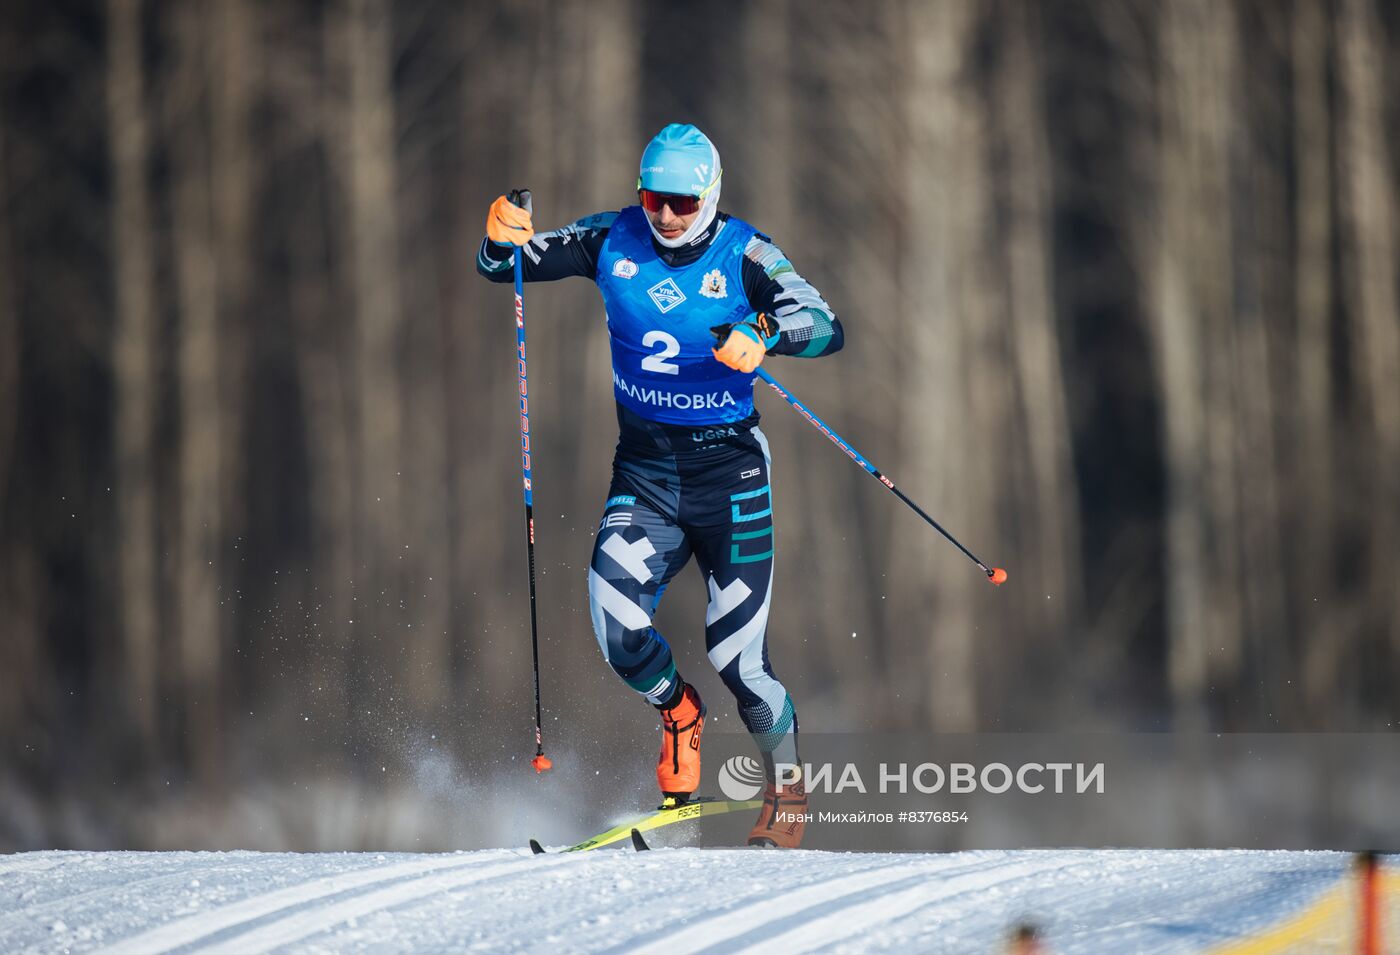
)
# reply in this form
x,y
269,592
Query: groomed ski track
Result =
x,y
666,900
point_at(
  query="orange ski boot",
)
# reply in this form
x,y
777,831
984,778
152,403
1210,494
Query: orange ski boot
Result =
x,y
678,766
783,817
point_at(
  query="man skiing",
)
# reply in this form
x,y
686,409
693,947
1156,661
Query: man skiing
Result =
x,y
691,471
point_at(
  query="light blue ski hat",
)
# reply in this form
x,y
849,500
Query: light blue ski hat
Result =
x,y
680,160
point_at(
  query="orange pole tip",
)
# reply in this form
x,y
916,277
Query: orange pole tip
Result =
x,y
542,763
998,576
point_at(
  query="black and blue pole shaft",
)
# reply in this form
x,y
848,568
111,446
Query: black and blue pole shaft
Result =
x,y
521,198
995,574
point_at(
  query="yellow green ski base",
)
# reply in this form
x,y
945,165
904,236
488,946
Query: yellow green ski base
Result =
x,y
664,817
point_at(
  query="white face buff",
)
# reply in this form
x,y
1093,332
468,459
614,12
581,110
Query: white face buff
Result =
x,y
708,207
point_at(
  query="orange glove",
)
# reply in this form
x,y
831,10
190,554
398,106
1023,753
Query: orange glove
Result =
x,y
508,224
746,343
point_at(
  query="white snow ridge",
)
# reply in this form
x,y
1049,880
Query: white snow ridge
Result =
x,y
666,900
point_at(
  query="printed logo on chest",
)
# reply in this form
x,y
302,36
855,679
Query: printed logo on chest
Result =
x,y
714,285
666,294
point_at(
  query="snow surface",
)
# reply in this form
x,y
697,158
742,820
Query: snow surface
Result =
x,y
666,900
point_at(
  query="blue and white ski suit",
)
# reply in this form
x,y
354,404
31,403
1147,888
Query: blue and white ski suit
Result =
x,y
691,471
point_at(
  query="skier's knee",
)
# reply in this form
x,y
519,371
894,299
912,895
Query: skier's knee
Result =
x,y
620,621
632,642
753,685
736,685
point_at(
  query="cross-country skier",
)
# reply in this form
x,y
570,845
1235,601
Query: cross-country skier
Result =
x,y
691,471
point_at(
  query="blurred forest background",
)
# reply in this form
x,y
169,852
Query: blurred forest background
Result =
x,y
1118,284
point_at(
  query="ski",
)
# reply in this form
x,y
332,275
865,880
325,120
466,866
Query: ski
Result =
x,y
640,844
633,828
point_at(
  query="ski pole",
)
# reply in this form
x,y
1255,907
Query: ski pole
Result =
x,y
995,574
521,198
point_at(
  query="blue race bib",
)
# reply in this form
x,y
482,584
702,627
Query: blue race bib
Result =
x,y
659,321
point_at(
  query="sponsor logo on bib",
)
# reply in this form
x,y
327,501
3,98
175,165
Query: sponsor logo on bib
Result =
x,y
666,294
662,397
714,285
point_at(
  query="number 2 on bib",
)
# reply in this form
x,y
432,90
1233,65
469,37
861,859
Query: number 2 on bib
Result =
x,y
657,362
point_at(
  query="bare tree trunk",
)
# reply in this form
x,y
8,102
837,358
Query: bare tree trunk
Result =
x,y
1052,554
611,120
1369,204
838,573
135,555
316,302
28,698
201,446
9,337
1261,305
19,657
487,545
427,499
233,71
1191,302
770,130
947,190
1212,58
426,555
1314,415
325,406
368,163
608,117
770,163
